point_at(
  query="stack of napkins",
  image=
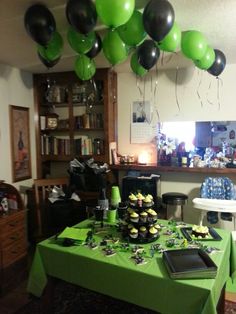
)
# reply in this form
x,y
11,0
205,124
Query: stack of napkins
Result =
x,y
74,233
189,263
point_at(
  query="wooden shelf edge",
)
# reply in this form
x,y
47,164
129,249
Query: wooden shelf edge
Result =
x,y
154,167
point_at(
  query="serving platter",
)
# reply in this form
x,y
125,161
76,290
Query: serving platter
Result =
x,y
213,235
189,263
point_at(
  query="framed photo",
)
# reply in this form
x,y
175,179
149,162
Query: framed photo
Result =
x,y
20,143
143,130
141,112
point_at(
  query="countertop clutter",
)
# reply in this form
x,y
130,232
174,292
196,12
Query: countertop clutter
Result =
x,y
159,168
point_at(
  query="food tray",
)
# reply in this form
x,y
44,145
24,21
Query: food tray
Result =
x,y
213,235
189,263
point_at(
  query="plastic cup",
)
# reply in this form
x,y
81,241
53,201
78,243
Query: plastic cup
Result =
x,y
115,195
111,215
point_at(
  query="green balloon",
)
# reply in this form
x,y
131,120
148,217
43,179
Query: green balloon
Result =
x,y
193,45
207,60
133,33
172,40
84,67
54,48
114,48
79,42
116,12
136,67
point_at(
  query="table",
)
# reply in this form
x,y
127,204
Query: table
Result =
x,y
146,285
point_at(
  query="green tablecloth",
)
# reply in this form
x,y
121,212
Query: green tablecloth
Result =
x,y
146,285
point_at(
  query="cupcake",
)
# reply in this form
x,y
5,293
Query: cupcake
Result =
x,y
143,216
140,199
148,201
130,226
143,232
133,200
150,196
133,233
152,215
130,210
157,226
134,217
153,233
200,231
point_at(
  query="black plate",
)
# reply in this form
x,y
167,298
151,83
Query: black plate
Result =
x,y
189,263
187,233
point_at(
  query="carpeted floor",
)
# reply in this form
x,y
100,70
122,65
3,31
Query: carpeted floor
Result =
x,y
71,299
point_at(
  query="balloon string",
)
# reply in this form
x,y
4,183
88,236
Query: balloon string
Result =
x,y
170,57
151,84
162,58
218,91
158,116
176,83
209,87
155,93
200,82
156,82
144,89
137,84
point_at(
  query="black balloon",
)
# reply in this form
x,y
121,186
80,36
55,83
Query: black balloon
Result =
x,y
158,18
97,46
82,15
148,54
48,63
40,24
219,64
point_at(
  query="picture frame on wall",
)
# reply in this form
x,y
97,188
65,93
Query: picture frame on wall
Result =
x,y
20,143
142,128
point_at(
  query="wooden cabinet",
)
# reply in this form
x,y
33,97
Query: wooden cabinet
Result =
x,y
73,118
13,241
12,237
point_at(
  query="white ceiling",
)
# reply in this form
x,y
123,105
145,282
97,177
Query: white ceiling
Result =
x,y
214,18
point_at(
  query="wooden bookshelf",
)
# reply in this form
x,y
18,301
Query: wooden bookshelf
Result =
x,y
76,119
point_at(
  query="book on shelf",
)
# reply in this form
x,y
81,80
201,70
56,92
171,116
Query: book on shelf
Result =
x,y
90,120
83,145
52,145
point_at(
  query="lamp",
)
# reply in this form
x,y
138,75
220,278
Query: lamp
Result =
x,y
143,158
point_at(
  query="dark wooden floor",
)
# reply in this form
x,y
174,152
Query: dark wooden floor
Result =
x,y
16,298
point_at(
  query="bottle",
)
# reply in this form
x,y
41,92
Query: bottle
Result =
x,y
103,202
20,141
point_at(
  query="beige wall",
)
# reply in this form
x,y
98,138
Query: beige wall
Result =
x,y
15,89
190,80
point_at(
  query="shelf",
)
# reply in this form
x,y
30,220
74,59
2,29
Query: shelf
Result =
x,y
45,158
99,122
55,130
79,104
154,167
55,104
99,158
88,129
